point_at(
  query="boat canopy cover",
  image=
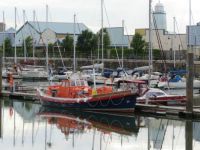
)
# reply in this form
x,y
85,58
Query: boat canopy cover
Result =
x,y
175,79
93,66
178,72
143,68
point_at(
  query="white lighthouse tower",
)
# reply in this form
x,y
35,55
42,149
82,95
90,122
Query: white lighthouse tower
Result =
x,y
159,17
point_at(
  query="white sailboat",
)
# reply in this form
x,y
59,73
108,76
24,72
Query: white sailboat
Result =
x,y
177,82
14,69
32,71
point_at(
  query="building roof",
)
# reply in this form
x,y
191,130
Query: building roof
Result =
x,y
57,27
10,30
117,36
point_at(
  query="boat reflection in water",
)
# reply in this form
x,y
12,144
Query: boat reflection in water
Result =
x,y
26,125
69,121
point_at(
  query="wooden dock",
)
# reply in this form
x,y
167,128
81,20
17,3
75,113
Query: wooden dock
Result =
x,y
20,95
168,111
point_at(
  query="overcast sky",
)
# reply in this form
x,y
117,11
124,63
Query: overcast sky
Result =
x,y
134,12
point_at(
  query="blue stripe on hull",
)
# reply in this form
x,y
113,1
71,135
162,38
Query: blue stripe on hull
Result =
x,y
127,102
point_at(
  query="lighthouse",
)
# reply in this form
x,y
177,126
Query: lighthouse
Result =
x,y
159,17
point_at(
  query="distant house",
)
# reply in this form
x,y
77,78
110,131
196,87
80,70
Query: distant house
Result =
x,y
193,38
117,37
170,42
43,32
10,34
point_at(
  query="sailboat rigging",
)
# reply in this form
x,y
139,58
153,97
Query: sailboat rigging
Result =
x,y
123,44
34,38
24,40
47,49
150,41
74,44
3,40
102,34
15,56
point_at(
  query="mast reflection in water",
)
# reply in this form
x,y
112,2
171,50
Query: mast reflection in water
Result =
x,y
29,126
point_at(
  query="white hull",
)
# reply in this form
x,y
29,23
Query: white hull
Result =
x,y
178,85
33,72
98,79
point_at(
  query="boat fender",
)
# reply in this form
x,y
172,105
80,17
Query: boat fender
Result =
x,y
85,90
94,92
85,99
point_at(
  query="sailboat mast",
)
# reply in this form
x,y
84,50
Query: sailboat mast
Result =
x,y
190,13
174,19
102,44
15,57
74,43
34,38
150,41
24,38
122,44
3,40
47,56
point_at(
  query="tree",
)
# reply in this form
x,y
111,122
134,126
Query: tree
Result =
x,y
67,43
106,41
29,45
138,44
106,38
156,54
50,49
87,42
8,47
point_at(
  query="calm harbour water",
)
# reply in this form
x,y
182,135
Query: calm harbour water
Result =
x,y
29,126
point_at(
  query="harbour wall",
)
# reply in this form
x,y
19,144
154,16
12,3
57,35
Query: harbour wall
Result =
x,y
159,65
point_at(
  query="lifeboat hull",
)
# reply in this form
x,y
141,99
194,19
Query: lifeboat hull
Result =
x,y
123,102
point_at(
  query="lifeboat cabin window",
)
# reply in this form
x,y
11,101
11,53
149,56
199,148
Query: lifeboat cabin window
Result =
x,y
72,83
64,83
77,83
